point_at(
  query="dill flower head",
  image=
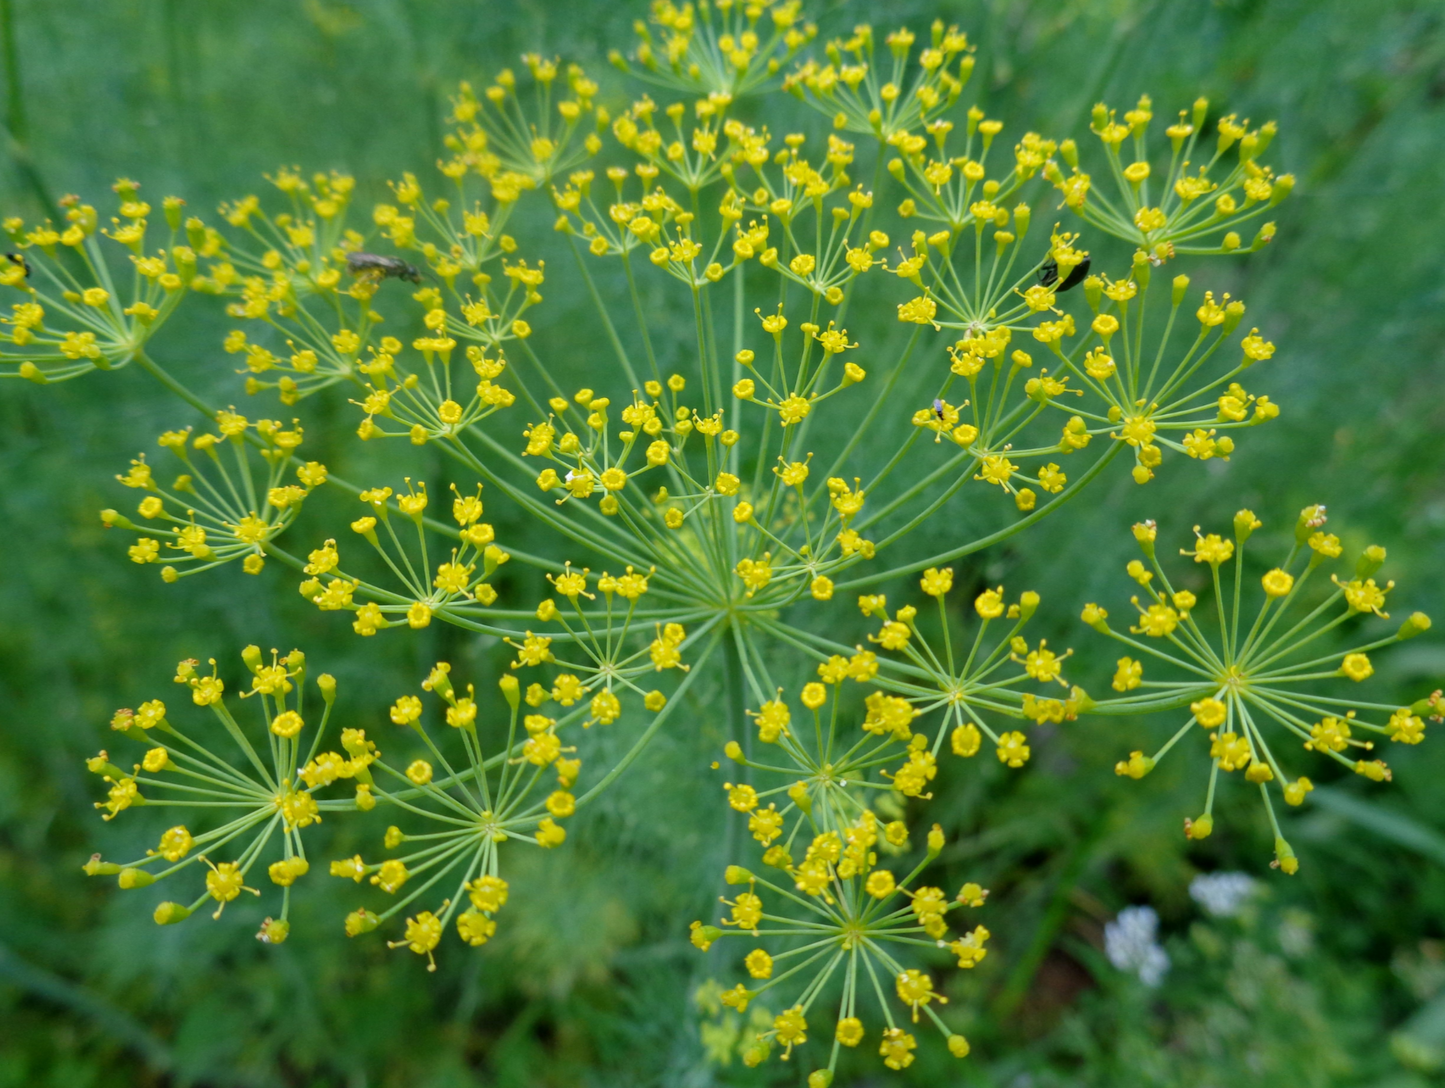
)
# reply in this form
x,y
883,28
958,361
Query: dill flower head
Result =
x,y
721,51
812,813
423,584
494,787
1259,670
972,683
73,318
267,790
705,484
830,933
1197,203
498,788
864,91
223,506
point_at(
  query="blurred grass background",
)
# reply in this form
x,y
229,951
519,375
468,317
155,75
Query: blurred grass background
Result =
x,y
1336,979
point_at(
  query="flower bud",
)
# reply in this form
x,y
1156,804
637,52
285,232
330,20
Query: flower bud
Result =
x,y
935,840
734,751
1417,624
798,794
703,936
1144,533
1310,519
102,766
1373,769
1028,604
1245,523
251,655
1294,792
1284,857
327,683
168,914
1136,766
511,690
361,921
1233,312
1370,561
1200,828
1181,285
736,874
134,878
96,867
438,681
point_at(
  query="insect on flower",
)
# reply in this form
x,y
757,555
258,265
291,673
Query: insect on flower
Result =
x,y
1049,275
377,267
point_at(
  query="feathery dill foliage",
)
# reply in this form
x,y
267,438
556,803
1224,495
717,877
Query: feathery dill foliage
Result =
x,y
704,506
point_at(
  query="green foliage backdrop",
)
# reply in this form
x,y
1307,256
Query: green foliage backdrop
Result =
x,y
1335,979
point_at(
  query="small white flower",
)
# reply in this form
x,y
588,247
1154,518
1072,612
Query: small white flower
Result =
x,y
1222,895
1129,942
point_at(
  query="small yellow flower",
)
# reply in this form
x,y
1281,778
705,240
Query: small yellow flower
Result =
x,y
1357,667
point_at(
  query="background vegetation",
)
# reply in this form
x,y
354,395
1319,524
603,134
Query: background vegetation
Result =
x,y
1335,979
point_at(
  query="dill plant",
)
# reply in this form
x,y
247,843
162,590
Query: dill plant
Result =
x,y
707,509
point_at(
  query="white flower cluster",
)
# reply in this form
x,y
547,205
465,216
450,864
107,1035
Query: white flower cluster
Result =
x,y
1222,895
1130,942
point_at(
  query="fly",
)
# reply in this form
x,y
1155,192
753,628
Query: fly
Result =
x,y
377,267
1049,274
19,258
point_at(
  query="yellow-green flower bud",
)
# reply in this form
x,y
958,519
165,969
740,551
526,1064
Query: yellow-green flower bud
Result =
x,y
511,690
251,655
1371,560
1417,624
168,914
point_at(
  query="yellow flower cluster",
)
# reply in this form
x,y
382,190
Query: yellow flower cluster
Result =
x,y
268,801
1243,682
221,508
715,481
